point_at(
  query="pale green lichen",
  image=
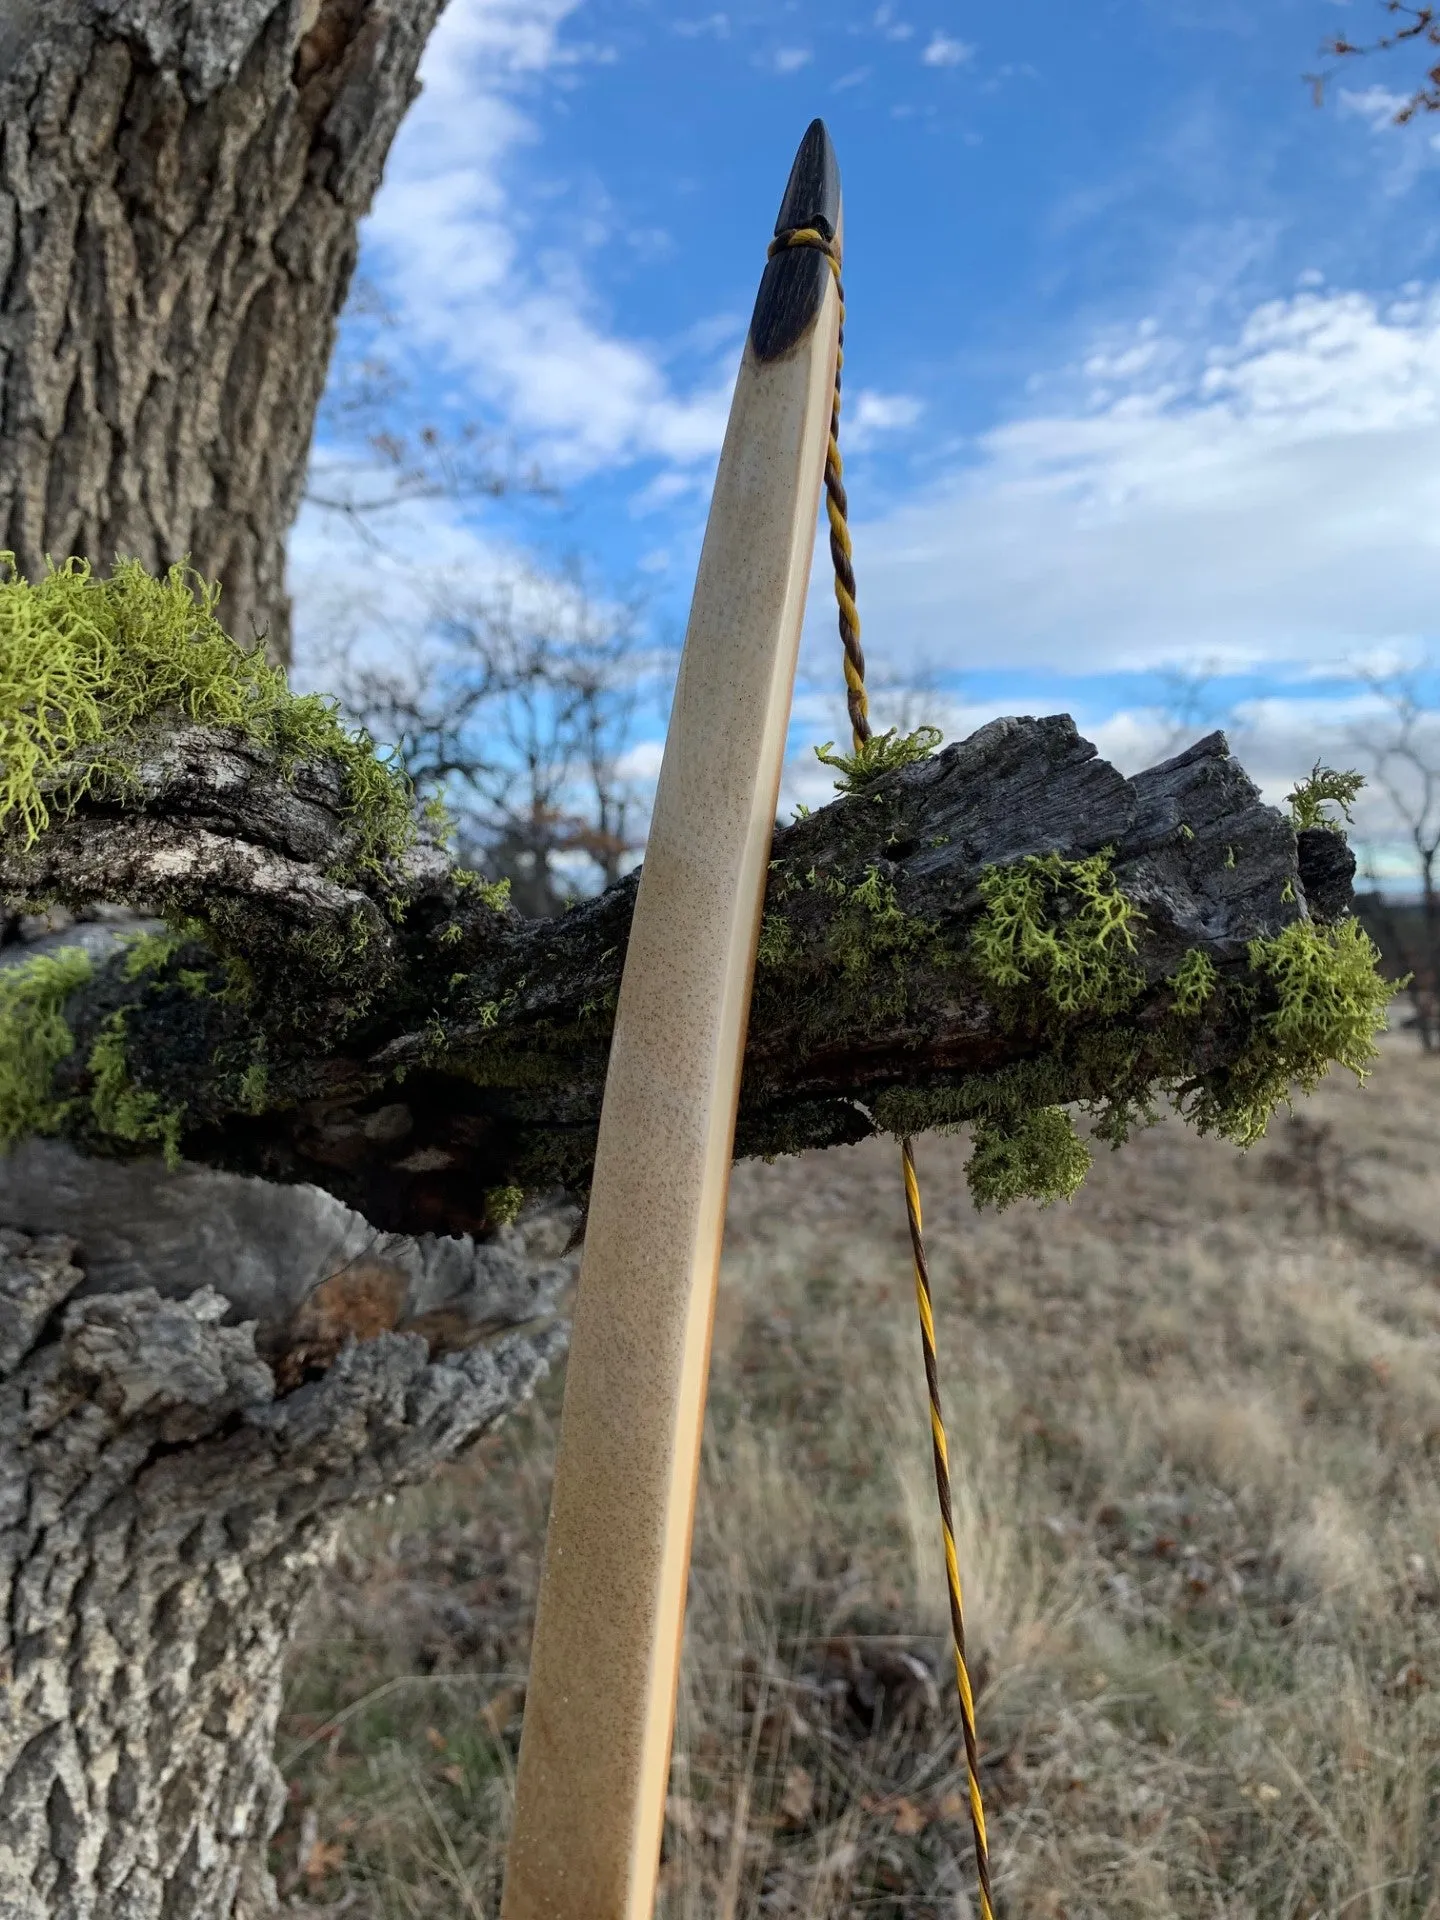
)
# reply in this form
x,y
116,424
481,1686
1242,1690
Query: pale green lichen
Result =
x,y
1193,982
882,753
1329,1001
149,952
1323,786
494,893
1040,1158
777,946
254,1087
85,663
1063,925
1311,997
122,1109
34,1039
502,1205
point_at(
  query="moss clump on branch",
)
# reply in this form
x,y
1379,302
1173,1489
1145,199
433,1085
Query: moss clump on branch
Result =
x,y
1063,925
1319,1001
1320,788
34,1039
1193,982
882,753
1040,1157
1311,997
85,663
120,1108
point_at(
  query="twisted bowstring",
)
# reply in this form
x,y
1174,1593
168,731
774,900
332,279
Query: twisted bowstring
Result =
x,y
941,1450
837,509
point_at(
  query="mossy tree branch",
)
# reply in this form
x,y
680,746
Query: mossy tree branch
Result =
x,y
378,1023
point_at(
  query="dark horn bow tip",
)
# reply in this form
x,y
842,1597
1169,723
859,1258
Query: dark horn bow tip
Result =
x,y
812,194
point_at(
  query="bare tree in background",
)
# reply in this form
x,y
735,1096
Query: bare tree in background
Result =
x,y
374,454
517,710
518,716
1400,750
1417,26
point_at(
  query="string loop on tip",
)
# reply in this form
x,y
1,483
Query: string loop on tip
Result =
x,y
837,507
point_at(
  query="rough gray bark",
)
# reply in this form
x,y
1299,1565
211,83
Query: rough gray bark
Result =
x,y
180,184
164,1512
421,1048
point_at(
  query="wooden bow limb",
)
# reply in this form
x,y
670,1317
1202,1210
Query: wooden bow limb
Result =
x,y
595,1753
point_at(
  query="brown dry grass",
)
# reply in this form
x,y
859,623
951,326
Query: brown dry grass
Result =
x,y
1196,1429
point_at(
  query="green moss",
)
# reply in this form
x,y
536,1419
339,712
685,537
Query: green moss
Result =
x,y
1041,1158
1063,925
85,663
777,946
502,1205
495,893
1311,997
870,924
34,1039
148,952
440,820
122,1109
1327,1001
1320,788
1193,982
848,959
881,754
254,1086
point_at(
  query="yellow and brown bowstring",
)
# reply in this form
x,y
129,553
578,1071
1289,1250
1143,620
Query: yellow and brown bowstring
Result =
x,y
842,555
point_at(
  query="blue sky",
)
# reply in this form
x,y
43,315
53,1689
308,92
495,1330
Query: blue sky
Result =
x,y
1143,362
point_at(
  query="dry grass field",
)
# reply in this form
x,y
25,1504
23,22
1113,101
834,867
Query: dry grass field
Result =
x,y
1196,1431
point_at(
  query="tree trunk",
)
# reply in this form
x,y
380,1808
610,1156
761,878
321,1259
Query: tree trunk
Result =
x,y
180,184
164,1513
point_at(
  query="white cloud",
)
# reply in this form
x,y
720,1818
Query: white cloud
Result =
x,y
945,51
363,596
784,60
1276,498
892,28
716,25
869,414
1378,105
481,286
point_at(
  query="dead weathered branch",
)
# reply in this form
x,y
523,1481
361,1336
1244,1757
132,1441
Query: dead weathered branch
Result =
x,y
390,1033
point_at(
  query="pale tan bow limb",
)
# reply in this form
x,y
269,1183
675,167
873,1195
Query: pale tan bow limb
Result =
x,y
595,1753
